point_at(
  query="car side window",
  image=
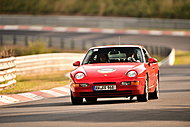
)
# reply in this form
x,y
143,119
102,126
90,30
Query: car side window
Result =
x,y
146,55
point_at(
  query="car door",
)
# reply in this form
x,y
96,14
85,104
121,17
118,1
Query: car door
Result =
x,y
150,69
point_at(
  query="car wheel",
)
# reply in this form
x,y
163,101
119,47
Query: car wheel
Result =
x,y
155,94
144,97
91,99
76,100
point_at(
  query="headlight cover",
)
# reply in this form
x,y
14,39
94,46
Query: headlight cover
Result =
x,y
131,74
79,75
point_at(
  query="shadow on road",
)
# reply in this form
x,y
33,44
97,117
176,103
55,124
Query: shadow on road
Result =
x,y
102,102
107,115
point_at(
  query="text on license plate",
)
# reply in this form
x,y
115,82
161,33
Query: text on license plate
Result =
x,y
105,87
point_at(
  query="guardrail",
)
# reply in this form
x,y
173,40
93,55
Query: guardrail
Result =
x,y
44,63
7,73
94,21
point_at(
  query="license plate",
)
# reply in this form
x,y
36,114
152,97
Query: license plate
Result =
x,y
105,87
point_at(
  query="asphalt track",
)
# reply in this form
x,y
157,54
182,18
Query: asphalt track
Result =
x,y
171,109
94,39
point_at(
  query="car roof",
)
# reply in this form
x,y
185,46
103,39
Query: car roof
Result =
x,y
112,46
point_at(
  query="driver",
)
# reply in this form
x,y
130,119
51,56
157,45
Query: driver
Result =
x,y
130,57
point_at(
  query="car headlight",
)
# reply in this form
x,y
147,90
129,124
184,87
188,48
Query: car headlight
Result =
x,y
79,75
132,74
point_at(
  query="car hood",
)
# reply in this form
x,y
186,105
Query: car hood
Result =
x,y
111,70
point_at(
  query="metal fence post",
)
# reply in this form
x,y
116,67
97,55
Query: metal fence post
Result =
x,y
156,50
14,39
26,40
50,42
159,51
1,40
83,45
62,43
72,44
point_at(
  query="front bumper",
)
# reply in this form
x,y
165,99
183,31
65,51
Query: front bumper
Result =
x,y
121,90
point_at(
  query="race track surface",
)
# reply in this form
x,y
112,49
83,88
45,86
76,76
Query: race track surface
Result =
x,y
171,109
95,39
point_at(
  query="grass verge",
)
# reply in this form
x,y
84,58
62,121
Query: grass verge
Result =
x,y
182,57
39,82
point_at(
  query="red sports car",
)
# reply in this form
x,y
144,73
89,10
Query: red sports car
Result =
x,y
115,71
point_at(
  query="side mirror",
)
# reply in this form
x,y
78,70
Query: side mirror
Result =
x,y
152,60
77,63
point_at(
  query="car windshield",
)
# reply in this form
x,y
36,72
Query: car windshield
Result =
x,y
112,55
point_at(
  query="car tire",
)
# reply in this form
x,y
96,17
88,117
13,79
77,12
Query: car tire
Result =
x,y
155,94
144,97
91,99
76,100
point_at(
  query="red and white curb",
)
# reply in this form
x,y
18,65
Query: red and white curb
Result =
x,y
95,30
37,95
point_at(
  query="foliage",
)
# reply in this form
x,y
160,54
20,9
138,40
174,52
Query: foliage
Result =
x,y
126,8
5,53
37,47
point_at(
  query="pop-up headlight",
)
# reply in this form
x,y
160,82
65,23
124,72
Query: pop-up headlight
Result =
x,y
79,75
131,73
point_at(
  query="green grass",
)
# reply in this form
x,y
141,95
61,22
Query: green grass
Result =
x,y
182,57
38,82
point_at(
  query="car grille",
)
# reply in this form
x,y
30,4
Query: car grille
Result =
x,y
106,93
